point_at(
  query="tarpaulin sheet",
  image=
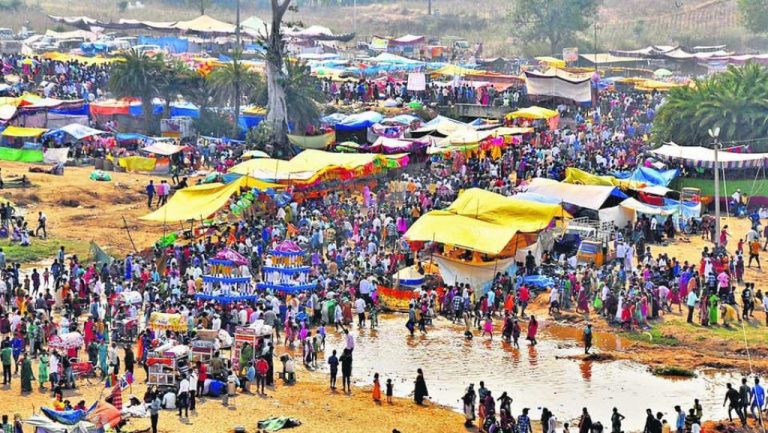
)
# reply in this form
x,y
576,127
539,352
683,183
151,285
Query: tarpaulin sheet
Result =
x,y
68,417
485,222
201,201
649,176
18,131
78,131
312,164
11,154
479,275
171,43
580,177
359,121
137,163
697,156
162,148
587,196
54,156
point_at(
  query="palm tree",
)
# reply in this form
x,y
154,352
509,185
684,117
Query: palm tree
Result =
x,y
734,101
175,78
233,81
302,95
137,77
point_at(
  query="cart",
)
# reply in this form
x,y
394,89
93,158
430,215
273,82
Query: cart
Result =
x,y
257,335
203,347
165,363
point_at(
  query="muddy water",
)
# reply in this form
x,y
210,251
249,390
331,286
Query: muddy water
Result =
x,y
535,377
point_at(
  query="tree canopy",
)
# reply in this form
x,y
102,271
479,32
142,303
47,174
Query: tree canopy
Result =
x,y
736,101
553,21
138,76
754,15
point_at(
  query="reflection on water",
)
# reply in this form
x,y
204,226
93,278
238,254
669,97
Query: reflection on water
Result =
x,y
533,376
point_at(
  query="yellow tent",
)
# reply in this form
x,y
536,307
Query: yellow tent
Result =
x,y
580,177
533,113
255,110
551,61
309,165
659,86
486,222
201,201
455,70
18,131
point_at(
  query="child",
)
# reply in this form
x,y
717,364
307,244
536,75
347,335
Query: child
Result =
x,y
740,246
565,428
376,388
390,387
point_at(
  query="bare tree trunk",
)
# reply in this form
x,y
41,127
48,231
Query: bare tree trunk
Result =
x,y
278,109
277,115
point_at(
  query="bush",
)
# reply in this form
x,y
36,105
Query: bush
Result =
x,y
8,5
213,123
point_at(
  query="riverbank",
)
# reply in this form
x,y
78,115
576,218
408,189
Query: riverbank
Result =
x,y
310,401
671,341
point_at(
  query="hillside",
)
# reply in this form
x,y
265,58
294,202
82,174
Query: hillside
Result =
x,y
622,23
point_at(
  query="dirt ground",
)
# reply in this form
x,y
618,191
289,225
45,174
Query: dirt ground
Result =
x,y
309,400
82,209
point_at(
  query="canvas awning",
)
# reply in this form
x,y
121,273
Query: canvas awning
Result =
x,y
163,148
205,24
78,131
485,222
533,113
593,197
19,131
201,201
697,156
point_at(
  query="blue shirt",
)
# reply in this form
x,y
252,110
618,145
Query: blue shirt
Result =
x,y
759,394
251,374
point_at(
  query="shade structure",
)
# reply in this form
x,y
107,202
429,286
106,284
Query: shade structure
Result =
x,y
485,222
201,201
697,156
18,131
533,113
594,197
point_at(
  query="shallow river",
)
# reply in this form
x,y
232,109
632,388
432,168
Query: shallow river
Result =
x,y
533,376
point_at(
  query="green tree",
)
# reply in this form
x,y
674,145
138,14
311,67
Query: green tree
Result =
x,y
174,79
553,21
754,15
235,81
736,101
137,76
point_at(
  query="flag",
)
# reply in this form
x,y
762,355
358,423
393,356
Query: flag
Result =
x,y
117,398
108,383
126,380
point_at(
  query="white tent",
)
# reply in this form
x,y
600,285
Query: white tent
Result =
x,y
697,156
78,131
587,196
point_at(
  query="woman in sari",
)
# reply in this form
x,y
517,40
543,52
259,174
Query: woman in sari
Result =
x,y
26,374
376,393
420,388
42,370
533,327
583,306
713,301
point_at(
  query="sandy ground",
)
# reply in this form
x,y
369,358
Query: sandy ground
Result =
x,y
79,208
309,400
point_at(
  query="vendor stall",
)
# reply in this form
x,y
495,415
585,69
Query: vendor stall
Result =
x,y
167,322
166,362
249,342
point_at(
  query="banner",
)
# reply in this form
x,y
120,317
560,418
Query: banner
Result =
x,y
137,163
479,275
417,81
54,156
571,54
11,154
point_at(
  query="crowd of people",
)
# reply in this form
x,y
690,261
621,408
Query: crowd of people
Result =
x,y
351,238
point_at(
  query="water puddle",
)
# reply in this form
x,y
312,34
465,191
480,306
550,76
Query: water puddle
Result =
x,y
535,377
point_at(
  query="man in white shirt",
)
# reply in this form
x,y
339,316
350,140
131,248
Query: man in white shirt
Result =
x,y
360,310
350,341
182,396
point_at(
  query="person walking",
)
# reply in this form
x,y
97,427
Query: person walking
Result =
x,y
150,193
585,422
182,395
533,327
42,219
679,420
587,338
734,403
154,410
758,400
6,356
